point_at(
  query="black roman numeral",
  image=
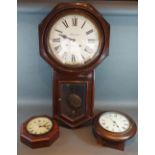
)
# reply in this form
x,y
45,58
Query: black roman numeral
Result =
x,y
74,21
88,49
103,123
83,24
58,30
83,57
65,23
124,128
91,40
73,58
90,31
57,48
56,40
64,56
107,127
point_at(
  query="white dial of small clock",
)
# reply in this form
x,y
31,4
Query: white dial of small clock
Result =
x,y
114,122
39,125
73,40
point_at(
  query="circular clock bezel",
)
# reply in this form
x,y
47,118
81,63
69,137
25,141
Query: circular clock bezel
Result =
x,y
71,8
74,12
112,112
28,121
114,136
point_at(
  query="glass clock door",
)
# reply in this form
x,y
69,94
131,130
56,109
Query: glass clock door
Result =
x,y
73,99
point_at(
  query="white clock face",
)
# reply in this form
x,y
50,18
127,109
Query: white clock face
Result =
x,y
39,125
74,40
114,122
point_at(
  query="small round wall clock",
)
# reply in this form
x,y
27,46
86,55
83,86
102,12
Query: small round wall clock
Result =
x,y
74,40
39,131
113,128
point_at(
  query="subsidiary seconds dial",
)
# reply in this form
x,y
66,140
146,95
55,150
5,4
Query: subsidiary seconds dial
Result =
x,y
74,40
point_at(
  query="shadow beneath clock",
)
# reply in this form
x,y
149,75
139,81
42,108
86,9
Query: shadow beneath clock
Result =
x,y
133,141
85,134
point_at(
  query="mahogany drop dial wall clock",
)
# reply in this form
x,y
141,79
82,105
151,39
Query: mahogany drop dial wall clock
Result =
x,y
74,39
113,128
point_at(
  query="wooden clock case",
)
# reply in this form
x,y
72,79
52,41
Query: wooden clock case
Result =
x,y
79,78
110,139
37,141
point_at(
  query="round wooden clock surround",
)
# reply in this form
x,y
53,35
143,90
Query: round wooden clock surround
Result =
x,y
75,80
113,139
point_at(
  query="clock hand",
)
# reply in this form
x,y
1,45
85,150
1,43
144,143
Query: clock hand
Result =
x,y
63,36
66,37
43,124
114,122
71,39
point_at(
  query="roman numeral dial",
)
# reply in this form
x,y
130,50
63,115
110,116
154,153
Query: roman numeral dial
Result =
x,y
39,125
114,122
73,40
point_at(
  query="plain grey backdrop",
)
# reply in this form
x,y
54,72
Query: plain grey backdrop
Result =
x,y
115,78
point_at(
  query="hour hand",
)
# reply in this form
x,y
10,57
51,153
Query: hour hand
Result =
x,y
63,36
116,124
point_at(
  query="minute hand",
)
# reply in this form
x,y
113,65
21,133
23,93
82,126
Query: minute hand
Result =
x,y
66,37
114,122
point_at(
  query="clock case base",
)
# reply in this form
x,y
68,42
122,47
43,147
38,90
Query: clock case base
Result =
x,y
40,143
106,143
79,84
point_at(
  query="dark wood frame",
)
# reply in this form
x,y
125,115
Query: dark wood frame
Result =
x,y
110,139
77,73
37,141
79,8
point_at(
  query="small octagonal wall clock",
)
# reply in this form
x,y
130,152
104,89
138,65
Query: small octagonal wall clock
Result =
x,y
73,39
39,131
